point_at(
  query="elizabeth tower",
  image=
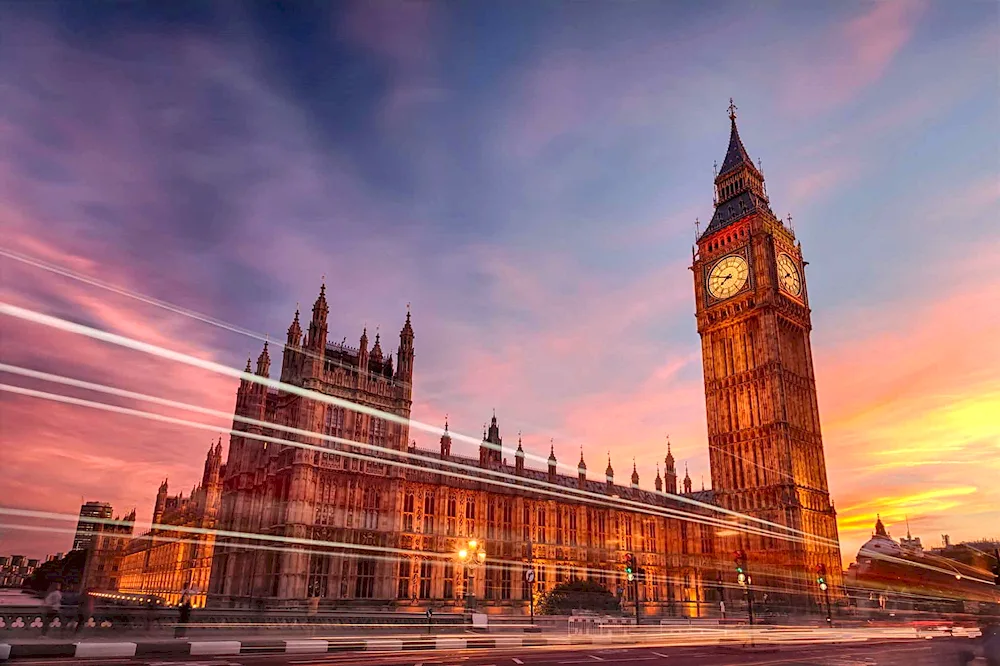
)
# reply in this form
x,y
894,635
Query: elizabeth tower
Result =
x,y
765,446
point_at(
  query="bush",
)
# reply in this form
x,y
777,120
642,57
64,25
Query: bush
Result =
x,y
577,595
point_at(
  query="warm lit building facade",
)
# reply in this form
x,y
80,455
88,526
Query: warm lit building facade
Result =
x,y
166,562
369,519
765,446
105,551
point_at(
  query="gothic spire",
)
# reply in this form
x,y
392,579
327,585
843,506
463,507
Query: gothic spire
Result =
x,y
295,330
317,326
739,184
736,154
264,362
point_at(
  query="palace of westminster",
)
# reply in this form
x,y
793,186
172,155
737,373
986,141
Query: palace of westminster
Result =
x,y
365,518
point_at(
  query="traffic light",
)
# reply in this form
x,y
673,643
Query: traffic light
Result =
x,y
821,576
996,569
740,559
629,565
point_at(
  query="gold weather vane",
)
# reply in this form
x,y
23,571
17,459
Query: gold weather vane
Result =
x,y
732,110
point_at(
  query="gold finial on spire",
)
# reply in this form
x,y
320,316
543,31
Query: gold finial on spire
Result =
x,y
732,110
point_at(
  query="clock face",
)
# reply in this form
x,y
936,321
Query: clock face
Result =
x,y
788,275
728,276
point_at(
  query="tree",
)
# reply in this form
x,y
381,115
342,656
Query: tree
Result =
x,y
577,595
67,571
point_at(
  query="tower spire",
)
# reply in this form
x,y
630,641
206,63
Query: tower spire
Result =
x,y
739,184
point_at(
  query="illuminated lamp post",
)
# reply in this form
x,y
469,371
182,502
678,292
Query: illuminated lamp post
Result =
x,y
471,555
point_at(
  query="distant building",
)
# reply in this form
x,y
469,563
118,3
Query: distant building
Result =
x,y
15,569
91,513
903,576
105,551
164,562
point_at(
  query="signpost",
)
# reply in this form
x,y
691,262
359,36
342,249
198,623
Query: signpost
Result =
x,y
529,576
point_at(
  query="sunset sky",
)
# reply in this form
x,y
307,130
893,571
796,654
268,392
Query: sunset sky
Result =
x,y
527,176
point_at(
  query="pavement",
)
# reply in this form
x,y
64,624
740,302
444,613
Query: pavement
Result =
x,y
486,652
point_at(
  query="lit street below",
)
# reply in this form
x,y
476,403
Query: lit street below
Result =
x,y
911,653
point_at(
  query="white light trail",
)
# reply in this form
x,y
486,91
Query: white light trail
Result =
x,y
211,366
559,493
476,471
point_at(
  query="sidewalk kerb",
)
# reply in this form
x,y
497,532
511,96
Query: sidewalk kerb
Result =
x,y
210,648
86,650
304,645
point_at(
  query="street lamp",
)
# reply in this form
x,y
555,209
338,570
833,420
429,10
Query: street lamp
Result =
x,y
472,555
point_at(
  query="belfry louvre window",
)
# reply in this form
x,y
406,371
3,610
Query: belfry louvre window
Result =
x,y
364,584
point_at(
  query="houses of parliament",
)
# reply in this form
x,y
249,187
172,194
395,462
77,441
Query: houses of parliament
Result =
x,y
356,515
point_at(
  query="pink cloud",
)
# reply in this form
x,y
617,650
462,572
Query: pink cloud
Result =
x,y
835,68
59,453
811,187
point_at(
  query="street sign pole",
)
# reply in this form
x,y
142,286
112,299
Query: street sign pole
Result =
x,y
529,576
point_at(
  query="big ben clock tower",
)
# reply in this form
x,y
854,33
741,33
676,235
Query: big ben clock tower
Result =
x,y
765,446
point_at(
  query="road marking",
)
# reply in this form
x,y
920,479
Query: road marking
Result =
x,y
594,656
517,661
659,654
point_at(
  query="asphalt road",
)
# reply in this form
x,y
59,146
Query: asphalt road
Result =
x,y
903,653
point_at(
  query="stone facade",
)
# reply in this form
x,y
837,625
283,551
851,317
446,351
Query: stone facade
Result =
x,y
359,517
165,562
105,551
765,445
